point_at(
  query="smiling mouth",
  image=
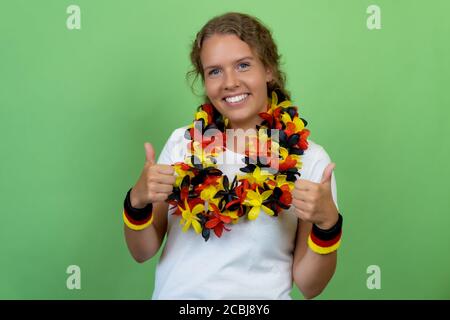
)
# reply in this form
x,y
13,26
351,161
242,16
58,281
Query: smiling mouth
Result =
x,y
236,100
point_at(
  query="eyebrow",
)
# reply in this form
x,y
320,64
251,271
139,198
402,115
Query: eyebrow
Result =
x,y
217,66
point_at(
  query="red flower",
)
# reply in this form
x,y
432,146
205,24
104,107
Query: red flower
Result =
x,y
288,163
209,180
290,129
286,197
268,117
218,221
303,141
208,108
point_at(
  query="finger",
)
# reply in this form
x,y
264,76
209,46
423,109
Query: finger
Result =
x,y
300,211
160,188
299,204
164,178
159,197
165,169
149,153
300,195
304,185
327,173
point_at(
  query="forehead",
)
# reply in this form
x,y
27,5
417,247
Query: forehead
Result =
x,y
224,48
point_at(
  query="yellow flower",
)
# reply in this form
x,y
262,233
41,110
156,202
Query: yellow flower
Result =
x,y
255,199
232,214
214,201
257,176
274,103
204,158
200,115
259,145
299,125
284,153
299,163
190,217
208,193
181,174
281,181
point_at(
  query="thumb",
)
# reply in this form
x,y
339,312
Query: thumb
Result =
x,y
326,176
149,153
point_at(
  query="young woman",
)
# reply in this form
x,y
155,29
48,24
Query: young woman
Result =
x,y
264,229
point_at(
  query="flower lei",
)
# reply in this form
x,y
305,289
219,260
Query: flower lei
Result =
x,y
203,195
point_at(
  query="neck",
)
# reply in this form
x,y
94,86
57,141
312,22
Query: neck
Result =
x,y
236,135
235,142
244,126
251,124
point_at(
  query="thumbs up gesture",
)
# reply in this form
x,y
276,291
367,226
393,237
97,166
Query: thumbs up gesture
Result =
x,y
314,203
155,183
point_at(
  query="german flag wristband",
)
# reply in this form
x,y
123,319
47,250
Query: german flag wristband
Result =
x,y
326,241
136,219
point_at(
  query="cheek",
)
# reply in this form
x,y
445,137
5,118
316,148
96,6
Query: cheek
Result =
x,y
260,88
258,82
211,88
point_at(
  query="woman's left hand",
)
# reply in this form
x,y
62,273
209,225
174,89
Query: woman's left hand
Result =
x,y
314,203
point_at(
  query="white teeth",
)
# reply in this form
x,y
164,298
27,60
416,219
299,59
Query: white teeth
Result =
x,y
236,99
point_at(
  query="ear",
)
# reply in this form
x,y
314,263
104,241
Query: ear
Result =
x,y
269,74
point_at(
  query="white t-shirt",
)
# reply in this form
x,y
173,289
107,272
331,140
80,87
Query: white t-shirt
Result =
x,y
252,261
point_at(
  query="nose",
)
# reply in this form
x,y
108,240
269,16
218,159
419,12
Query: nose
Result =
x,y
231,80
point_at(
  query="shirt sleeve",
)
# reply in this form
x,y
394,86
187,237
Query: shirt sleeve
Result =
x,y
164,156
320,162
174,148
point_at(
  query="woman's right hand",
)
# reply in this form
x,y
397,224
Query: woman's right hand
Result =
x,y
155,183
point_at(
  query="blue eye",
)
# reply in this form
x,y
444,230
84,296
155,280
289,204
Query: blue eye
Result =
x,y
244,65
214,72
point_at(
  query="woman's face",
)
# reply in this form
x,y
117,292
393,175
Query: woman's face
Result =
x,y
235,79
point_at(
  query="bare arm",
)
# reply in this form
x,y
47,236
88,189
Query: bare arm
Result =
x,y
313,203
144,244
311,271
154,186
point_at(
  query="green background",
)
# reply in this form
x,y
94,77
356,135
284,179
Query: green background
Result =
x,y
78,105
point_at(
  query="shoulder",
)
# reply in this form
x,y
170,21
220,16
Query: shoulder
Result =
x,y
314,151
174,149
178,134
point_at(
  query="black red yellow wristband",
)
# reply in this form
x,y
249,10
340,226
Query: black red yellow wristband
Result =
x,y
326,241
136,219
